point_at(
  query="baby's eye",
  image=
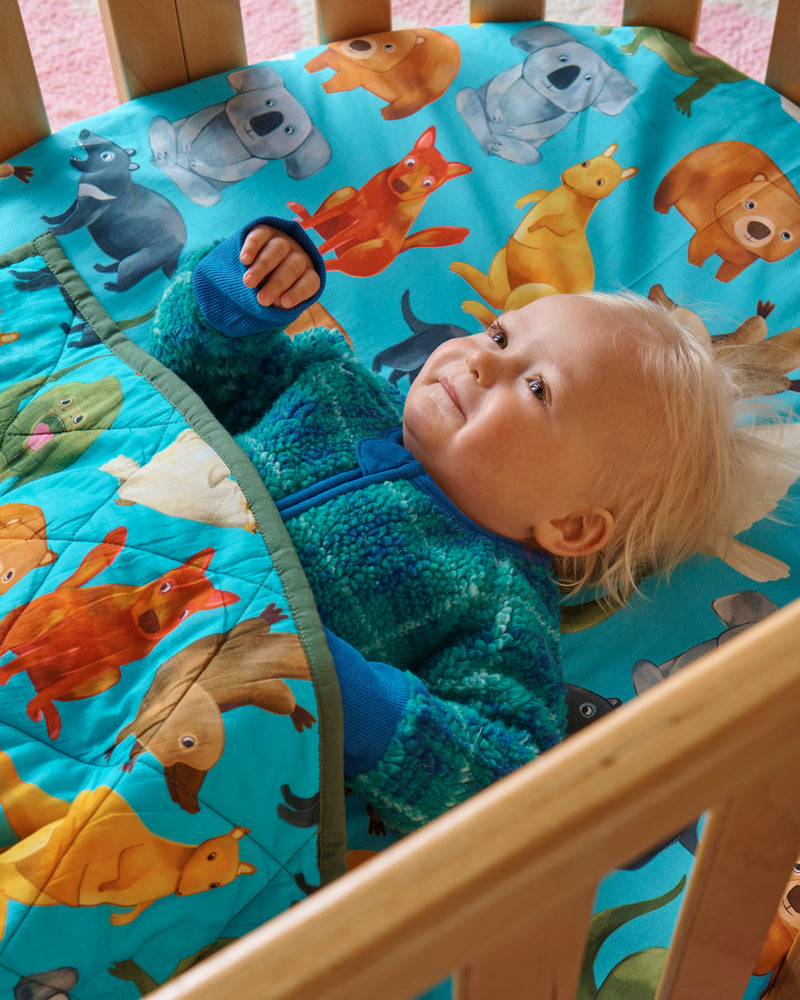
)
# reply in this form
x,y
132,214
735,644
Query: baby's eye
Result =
x,y
538,388
498,335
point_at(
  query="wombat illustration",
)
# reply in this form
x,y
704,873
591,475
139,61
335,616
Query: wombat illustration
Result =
x,y
740,203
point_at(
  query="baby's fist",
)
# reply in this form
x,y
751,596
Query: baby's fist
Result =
x,y
278,267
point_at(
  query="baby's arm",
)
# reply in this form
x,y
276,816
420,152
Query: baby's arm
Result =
x,y
213,328
414,752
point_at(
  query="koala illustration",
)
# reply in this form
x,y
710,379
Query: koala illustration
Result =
x,y
516,111
54,984
737,612
409,68
223,143
140,228
740,203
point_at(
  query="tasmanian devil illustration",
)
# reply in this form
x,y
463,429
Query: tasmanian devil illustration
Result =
x,y
140,228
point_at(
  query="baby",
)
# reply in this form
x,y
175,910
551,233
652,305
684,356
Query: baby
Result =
x,y
585,439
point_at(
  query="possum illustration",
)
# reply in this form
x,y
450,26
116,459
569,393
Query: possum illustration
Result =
x,y
140,228
408,356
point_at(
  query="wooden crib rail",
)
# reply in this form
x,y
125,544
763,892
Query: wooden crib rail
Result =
x,y
499,890
157,44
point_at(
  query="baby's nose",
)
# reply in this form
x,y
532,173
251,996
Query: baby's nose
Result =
x,y
483,366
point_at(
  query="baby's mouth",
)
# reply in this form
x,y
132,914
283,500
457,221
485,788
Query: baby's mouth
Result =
x,y
448,387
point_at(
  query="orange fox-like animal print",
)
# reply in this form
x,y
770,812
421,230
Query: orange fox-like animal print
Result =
x,y
73,641
368,227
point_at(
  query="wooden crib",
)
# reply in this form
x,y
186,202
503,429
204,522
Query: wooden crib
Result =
x,y
498,893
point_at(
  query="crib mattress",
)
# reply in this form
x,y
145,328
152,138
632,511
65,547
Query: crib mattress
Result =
x,y
596,159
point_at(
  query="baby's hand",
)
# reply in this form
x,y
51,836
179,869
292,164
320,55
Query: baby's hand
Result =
x,y
282,265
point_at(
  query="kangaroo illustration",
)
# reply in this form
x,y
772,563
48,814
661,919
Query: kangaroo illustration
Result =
x,y
548,251
368,227
73,641
96,850
180,718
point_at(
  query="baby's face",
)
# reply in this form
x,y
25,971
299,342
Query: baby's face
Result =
x,y
517,423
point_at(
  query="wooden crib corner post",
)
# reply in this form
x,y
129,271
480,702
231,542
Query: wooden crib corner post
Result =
x,y
682,17
22,109
338,19
783,71
158,44
481,11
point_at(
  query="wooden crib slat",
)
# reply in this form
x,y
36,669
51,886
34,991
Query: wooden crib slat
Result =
x,y
158,44
338,19
783,67
481,11
22,111
538,958
144,46
679,16
541,836
212,34
736,876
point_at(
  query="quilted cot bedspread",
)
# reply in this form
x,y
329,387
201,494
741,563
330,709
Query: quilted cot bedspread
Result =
x,y
170,733
164,693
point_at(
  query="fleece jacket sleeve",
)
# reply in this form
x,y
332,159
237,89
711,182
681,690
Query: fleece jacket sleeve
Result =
x,y
374,697
227,303
414,755
440,755
211,331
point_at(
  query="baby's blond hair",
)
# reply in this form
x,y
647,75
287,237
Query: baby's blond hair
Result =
x,y
702,471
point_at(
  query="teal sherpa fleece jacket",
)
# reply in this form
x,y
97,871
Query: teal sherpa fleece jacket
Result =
x,y
445,636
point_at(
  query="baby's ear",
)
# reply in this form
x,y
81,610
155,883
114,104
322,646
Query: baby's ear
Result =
x,y
576,535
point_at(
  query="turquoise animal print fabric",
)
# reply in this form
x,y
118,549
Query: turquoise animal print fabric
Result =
x,y
446,175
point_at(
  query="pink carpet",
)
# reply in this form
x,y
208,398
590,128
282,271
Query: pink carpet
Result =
x,y
69,47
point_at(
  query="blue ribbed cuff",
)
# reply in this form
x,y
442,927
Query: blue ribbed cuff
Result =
x,y
227,303
374,697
